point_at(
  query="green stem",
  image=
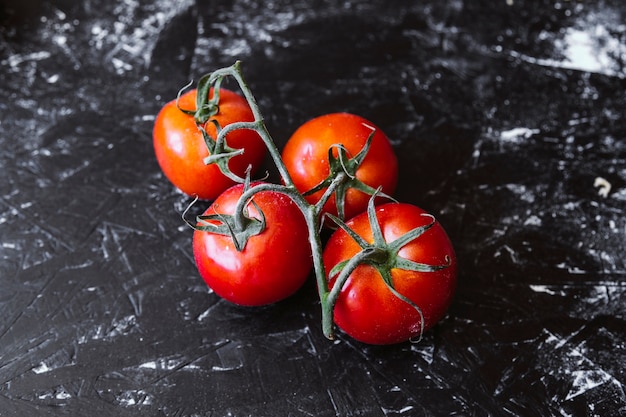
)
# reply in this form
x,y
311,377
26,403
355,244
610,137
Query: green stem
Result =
x,y
329,298
372,254
312,213
315,241
336,182
261,128
312,219
264,186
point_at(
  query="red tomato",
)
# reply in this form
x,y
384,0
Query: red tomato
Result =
x,y
272,266
306,158
180,148
366,309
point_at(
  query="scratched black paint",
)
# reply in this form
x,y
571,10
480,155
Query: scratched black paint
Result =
x,y
503,115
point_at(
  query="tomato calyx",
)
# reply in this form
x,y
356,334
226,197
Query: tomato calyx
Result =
x,y
381,255
342,174
230,225
384,255
239,229
206,107
240,226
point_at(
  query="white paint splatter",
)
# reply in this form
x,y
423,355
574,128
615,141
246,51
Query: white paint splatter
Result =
x,y
585,380
571,269
42,368
166,364
590,47
533,220
517,134
542,289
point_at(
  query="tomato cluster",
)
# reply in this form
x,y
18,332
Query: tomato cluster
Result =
x,y
385,275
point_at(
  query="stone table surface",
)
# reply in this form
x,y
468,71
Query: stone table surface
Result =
x,y
508,121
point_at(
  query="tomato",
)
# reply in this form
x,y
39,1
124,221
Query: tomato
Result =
x,y
306,158
273,264
366,309
180,148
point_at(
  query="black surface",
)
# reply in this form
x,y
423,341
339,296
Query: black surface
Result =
x,y
503,116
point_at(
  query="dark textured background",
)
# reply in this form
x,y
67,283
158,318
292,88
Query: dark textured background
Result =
x,y
503,114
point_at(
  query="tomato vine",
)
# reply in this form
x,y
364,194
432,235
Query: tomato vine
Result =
x,y
240,227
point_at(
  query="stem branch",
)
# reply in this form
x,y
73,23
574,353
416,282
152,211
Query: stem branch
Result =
x,y
260,124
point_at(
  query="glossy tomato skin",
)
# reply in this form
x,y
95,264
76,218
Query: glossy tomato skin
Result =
x,y
306,158
273,265
180,148
366,309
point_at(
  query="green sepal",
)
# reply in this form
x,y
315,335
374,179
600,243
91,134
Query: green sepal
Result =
x,y
228,226
343,163
386,274
207,107
377,233
408,265
413,234
180,93
338,268
240,229
354,235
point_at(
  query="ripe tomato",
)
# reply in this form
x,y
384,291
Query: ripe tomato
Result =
x,y
180,148
366,309
306,158
273,264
